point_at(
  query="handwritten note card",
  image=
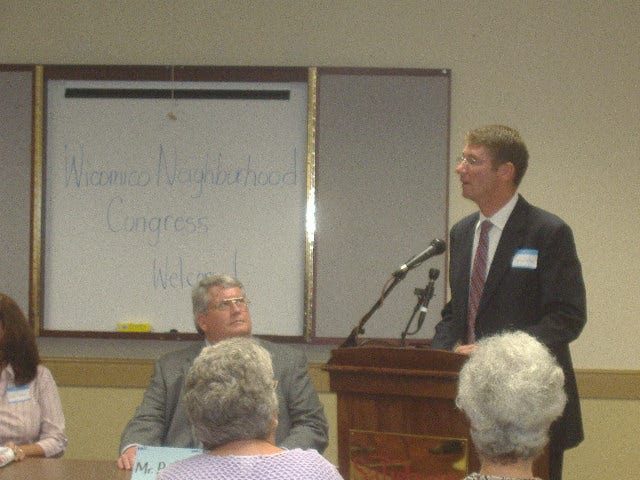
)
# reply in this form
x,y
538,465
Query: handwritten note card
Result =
x,y
150,460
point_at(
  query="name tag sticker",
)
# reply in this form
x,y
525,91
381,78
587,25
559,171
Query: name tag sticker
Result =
x,y
18,394
525,258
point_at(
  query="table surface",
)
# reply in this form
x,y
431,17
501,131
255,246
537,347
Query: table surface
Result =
x,y
63,469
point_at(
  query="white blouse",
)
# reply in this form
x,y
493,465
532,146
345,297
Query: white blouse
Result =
x,y
32,413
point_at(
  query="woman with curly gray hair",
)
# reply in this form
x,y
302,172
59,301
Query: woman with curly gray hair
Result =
x,y
511,389
230,399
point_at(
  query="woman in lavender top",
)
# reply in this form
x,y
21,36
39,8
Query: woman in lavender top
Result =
x,y
230,399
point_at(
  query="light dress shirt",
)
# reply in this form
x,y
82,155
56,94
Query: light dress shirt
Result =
x,y
499,220
33,413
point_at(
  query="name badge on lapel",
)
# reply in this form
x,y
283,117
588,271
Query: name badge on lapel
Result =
x,y
18,394
525,258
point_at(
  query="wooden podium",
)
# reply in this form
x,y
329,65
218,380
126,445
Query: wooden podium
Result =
x,y
394,396
400,390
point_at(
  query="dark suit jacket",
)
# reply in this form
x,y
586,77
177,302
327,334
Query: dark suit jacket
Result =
x,y
161,420
547,301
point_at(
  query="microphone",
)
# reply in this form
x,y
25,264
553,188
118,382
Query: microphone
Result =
x,y
436,247
426,297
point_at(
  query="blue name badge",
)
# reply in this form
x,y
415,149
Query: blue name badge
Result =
x,y
151,460
525,258
18,394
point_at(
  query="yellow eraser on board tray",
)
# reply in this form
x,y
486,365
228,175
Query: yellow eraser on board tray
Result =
x,y
134,327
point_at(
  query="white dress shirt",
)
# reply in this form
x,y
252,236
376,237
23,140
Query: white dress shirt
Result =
x,y
499,220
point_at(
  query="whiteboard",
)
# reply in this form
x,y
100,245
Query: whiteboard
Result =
x,y
146,196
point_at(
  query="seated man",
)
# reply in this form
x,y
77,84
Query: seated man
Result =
x,y
221,311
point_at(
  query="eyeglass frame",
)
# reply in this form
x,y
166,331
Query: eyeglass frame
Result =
x,y
471,161
226,304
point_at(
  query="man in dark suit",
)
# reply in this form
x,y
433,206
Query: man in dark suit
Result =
x,y
532,278
221,311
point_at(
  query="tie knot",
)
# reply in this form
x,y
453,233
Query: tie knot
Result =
x,y
485,227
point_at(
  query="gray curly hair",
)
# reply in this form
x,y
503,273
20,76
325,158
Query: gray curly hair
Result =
x,y
230,393
512,390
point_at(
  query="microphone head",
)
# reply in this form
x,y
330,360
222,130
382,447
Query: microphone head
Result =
x,y
439,246
436,247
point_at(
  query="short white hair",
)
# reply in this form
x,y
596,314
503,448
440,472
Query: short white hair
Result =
x,y
511,389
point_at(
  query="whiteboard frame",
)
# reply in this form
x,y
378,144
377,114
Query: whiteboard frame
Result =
x,y
149,73
191,73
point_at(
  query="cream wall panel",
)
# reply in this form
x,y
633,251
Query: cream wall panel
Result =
x,y
567,74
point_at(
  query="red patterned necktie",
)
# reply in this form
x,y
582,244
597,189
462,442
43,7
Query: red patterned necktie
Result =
x,y
478,275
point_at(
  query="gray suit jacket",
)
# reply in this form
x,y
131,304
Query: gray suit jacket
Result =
x,y
547,301
161,420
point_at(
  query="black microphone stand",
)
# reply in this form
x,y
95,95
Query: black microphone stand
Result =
x,y
424,297
352,339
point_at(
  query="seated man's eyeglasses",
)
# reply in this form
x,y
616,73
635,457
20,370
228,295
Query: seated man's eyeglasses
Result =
x,y
225,305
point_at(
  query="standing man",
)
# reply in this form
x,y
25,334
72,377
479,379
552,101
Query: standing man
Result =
x,y
220,310
513,267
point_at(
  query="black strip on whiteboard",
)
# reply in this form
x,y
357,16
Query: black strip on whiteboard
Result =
x,y
155,93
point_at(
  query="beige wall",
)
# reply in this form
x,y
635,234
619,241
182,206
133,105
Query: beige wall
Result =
x,y
96,417
565,73
611,428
